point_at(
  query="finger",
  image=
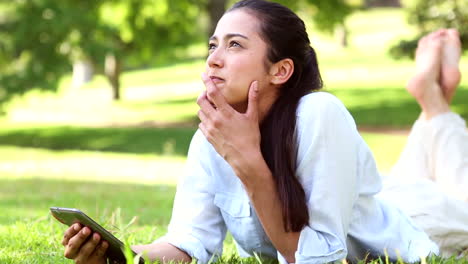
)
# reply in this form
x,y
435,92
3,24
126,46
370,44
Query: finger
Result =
x,y
252,107
202,116
88,248
75,243
205,104
204,96
101,249
214,94
70,232
204,130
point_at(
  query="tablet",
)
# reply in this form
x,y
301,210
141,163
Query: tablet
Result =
x,y
70,216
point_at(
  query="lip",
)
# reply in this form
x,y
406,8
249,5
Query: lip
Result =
x,y
217,79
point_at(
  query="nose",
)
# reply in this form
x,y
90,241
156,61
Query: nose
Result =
x,y
216,59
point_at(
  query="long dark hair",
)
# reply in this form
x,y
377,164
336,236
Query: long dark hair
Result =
x,y
286,36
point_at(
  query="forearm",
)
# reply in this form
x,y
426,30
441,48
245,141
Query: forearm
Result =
x,y
163,252
261,188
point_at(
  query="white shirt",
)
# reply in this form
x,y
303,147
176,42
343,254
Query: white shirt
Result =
x,y
340,180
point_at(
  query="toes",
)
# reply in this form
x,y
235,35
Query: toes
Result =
x,y
453,32
422,42
453,37
433,40
440,33
452,48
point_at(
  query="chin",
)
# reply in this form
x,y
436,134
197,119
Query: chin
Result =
x,y
239,106
234,100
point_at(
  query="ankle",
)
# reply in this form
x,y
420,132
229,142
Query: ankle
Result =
x,y
451,78
433,102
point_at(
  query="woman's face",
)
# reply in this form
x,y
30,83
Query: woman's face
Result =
x,y
237,56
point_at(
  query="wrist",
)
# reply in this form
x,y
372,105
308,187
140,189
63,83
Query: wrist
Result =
x,y
252,169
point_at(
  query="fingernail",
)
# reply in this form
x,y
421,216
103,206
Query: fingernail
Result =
x,y
76,227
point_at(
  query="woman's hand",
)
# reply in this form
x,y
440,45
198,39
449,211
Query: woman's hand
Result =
x,y
235,136
82,248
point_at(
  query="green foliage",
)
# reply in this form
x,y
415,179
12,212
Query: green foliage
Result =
x,y
329,13
326,14
145,29
40,39
430,15
36,41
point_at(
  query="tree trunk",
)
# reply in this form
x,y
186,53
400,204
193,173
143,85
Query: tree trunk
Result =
x,y
382,3
215,10
82,73
112,70
342,34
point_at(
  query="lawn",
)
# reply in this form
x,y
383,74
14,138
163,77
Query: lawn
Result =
x,y
119,162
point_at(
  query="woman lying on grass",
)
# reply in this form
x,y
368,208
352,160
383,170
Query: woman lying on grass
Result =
x,y
282,167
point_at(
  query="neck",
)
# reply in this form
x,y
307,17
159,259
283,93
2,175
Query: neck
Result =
x,y
265,102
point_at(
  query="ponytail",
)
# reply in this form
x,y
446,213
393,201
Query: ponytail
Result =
x,y
279,145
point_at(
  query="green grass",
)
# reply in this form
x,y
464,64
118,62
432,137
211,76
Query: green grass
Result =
x,y
171,141
119,162
28,233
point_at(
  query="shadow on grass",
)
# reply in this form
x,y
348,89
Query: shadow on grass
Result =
x,y
377,108
30,199
390,107
165,141
176,102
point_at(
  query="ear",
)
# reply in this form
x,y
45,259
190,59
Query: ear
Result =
x,y
281,71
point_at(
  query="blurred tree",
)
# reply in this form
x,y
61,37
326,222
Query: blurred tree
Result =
x,y
331,15
40,39
139,30
327,15
430,15
382,3
215,10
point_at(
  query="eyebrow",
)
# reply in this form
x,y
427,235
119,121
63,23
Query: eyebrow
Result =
x,y
230,35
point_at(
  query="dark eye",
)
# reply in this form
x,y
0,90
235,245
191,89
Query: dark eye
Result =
x,y
235,44
211,46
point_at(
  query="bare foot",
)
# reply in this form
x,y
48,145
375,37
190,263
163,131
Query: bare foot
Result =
x,y
450,73
424,85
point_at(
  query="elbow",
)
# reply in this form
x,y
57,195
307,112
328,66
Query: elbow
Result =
x,y
289,252
290,257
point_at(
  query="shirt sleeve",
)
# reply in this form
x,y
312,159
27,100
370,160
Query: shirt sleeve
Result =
x,y
196,225
328,170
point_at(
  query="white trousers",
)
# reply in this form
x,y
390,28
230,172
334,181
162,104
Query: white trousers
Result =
x,y
430,181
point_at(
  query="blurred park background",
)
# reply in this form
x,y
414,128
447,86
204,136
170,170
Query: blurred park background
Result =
x,y
97,101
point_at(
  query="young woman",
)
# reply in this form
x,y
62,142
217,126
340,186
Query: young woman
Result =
x,y
278,164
